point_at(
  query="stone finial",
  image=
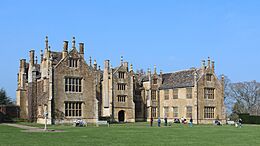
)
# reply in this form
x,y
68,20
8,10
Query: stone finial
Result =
x,y
208,61
95,64
36,60
203,62
121,60
131,67
46,42
222,77
41,55
73,42
154,69
90,61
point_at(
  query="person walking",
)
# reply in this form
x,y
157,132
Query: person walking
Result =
x,y
240,123
159,122
151,122
165,121
191,122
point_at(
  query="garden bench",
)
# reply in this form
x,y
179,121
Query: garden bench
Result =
x,y
102,123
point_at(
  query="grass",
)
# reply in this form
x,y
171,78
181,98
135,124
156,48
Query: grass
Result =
x,y
134,134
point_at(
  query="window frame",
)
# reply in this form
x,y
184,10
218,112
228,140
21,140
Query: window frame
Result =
x,y
175,94
209,93
209,112
73,109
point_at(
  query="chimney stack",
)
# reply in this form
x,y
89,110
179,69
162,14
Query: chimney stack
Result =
x,y
213,66
81,48
32,57
65,49
107,64
65,46
22,65
125,64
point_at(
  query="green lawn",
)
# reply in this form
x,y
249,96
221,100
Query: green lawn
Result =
x,y
135,134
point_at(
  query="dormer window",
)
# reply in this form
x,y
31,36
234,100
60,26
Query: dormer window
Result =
x,y
209,77
121,75
154,81
73,62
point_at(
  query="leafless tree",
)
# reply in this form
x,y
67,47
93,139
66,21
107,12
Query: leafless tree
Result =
x,y
247,95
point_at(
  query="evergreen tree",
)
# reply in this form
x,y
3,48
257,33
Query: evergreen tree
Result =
x,y
4,99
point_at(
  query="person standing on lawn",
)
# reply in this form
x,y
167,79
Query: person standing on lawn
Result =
x,y
165,121
151,122
159,122
191,122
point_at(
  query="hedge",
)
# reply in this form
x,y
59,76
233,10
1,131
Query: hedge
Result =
x,y
248,119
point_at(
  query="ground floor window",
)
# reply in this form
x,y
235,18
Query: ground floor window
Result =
x,y
166,111
175,112
209,112
73,109
189,111
153,112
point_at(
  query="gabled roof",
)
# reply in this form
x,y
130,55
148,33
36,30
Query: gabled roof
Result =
x,y
56,56
179,79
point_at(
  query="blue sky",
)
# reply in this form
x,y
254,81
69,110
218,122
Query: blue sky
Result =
x,y
173,34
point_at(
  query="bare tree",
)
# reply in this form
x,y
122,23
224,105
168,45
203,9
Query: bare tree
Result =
x,y
247,95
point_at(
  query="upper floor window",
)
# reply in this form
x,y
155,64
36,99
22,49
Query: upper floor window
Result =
x,y
153,94
208,93
73,109
121,86
121,75
166,94
175,93
121,98
189,111
73,62
209,77
73,84
209,112
189,93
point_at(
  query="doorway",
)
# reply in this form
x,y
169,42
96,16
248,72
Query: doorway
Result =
x,y
121,116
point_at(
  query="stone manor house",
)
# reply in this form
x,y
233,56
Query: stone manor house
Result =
x,y
65,87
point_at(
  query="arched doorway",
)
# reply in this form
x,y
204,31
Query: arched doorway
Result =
x,y
121,116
